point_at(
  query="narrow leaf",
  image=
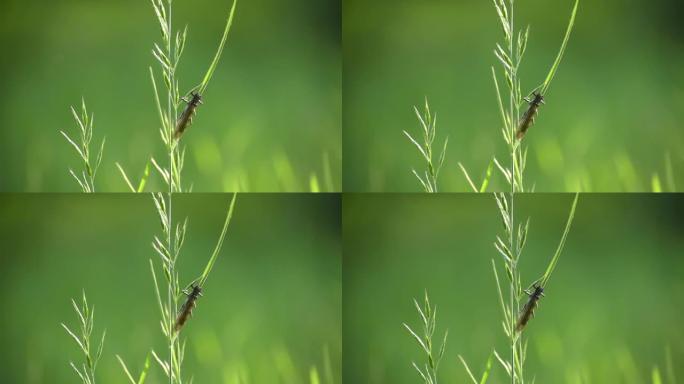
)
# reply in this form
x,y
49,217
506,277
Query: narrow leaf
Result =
x,y
556,63
219,244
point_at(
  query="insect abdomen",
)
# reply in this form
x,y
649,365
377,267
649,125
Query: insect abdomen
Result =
x,y
185,118
184,315
528,118
527,121
528,310
189,305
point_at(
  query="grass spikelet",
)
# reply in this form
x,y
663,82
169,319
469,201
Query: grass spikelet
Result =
x,y
428,123
86,179
428,317
91,353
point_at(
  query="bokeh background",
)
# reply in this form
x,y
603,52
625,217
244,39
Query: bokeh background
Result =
x,y
271,311
613,114
272,114
613,306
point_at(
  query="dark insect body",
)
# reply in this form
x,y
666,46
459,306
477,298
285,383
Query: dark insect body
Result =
x,y
186,310
527,119
185,119
528,310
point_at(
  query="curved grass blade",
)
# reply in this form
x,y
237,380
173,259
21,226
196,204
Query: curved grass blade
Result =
x,y
556,63
214,63
219,244
544,280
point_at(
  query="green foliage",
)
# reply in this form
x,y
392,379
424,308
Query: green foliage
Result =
x,y
510,247
85,124
143,373
668,185
579,329
219,51
210,264
428,124
554,260
91,354
485,180
485,374
428,317
168,56
556,63
168,246
510,55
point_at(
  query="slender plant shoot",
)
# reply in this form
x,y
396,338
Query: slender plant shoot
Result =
x,y
143,373
516,315
219,51
91,354
428,123
428,316
515,124
173,316
552,72
85,124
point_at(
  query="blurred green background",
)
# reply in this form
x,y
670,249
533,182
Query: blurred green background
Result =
x,y
615,110
271,309
612,307
271,120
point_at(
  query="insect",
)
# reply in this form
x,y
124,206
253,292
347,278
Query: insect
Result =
x,y
528,310
528,117
189,305
185,119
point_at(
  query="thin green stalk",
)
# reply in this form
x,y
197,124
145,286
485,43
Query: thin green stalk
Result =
x,y
219,51
217,249
143,373
513,107
513,304
170,291
554,260
175,181
552,72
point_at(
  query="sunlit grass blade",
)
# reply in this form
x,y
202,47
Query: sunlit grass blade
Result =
x,y
470,373
314,186
467,176
656,186
655,376
488,176
669,173
488,368
219,244
544,280
314,377
125,368
125,177
217,57
143,179
556,63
